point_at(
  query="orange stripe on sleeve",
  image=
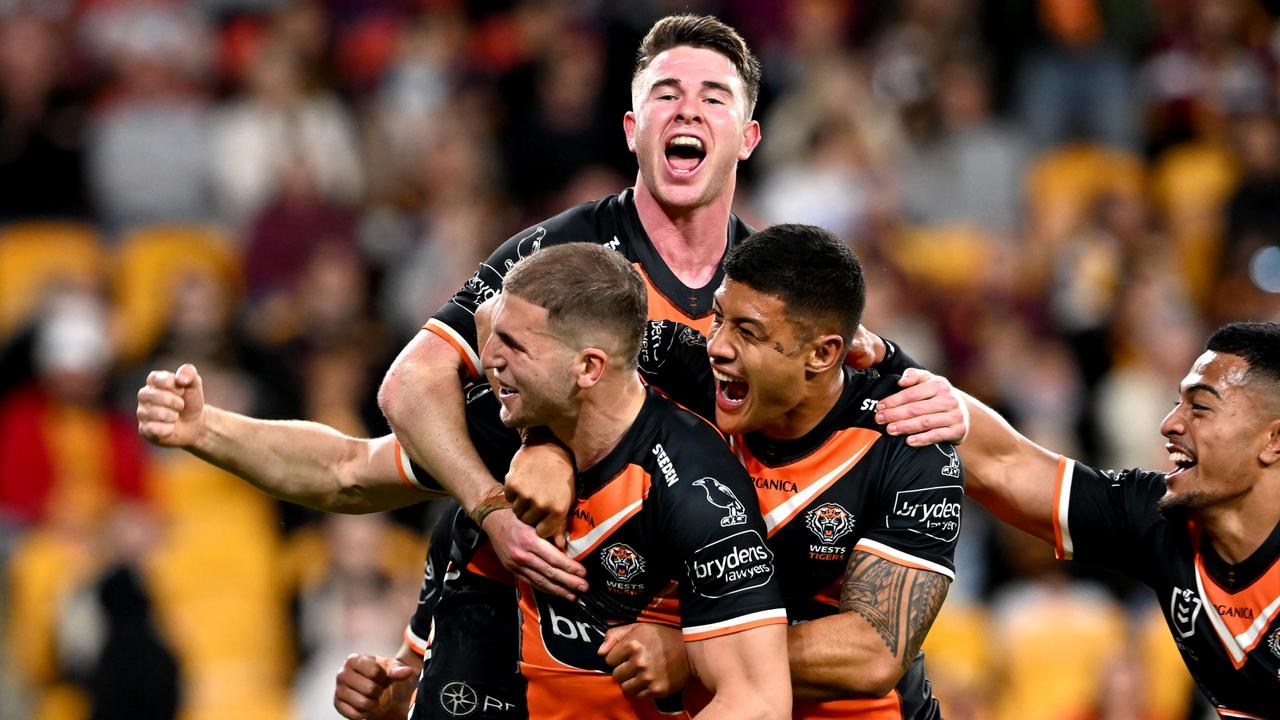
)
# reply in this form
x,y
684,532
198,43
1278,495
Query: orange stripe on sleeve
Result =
x,y
736,625
469,357
1060,550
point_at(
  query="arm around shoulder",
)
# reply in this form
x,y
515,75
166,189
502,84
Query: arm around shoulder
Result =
x,y
1011,476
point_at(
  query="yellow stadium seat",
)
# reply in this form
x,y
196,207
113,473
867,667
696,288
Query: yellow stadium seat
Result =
x,y
945,257
148,263
1063,184
1190,187
37,255
219,592
1052,642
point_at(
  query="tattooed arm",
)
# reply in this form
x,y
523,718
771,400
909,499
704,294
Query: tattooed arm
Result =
x,y
886,610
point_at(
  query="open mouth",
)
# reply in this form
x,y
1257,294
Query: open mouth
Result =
x,y
685,153
731,392
1181,458
506,391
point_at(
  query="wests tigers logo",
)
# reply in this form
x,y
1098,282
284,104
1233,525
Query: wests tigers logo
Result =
x,y
829,522
622,562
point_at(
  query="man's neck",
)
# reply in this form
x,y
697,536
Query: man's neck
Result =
x,y
1239,528
822,392
607,412
691,241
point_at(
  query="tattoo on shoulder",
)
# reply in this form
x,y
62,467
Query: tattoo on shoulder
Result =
x,y
899,602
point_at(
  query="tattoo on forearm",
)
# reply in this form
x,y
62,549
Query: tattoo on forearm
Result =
x,y
898,602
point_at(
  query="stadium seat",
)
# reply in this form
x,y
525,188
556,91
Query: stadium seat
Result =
x,y
1062,185
1051,640
219,591
1190,186
147,264
37,255
945,257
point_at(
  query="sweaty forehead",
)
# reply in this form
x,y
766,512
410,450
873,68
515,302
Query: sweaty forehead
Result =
x,y
1220,371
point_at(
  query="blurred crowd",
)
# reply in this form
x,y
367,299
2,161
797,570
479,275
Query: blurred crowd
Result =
x,y
1055,201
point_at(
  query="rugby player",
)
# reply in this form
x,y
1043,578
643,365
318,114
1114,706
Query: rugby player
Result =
x,y
1204,536
666,524
641,556
693,93
863,524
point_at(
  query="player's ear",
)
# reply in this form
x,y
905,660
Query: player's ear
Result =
x,y
825,352
629,127
591,366
1271,450
750,139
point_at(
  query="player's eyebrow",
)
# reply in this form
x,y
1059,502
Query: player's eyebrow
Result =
x,y
1206,387
508,340
670,82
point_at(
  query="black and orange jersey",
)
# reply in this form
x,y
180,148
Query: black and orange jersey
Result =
x,y
612,222
466,625
668,529
846,485
1224,618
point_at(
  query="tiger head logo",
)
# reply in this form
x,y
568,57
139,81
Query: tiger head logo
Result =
x,y
622,562
829,522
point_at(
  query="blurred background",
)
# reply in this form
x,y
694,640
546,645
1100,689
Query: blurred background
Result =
x,y
1055,200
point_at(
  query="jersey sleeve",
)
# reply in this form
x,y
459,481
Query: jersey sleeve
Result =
x,y
455,321
919,509
673,359
1101,516
715,538
494,442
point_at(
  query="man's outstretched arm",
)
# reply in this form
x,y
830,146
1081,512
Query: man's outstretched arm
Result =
x,y
302,462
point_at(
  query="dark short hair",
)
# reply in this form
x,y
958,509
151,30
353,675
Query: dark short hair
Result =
x,y
1257,343
701,31
585,288
812,271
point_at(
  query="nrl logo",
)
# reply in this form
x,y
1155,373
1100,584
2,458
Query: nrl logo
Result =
x,y
1184,608
829,522
622,562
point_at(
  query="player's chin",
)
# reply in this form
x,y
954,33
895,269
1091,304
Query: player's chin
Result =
x,y
736,420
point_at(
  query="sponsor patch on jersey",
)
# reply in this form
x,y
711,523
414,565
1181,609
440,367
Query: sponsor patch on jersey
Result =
x,y
829,522
527,245
665,465
1184,608
568,634
952,468
692,337
652,352
931,511
459,699
721,496
475,391
731,565
622,562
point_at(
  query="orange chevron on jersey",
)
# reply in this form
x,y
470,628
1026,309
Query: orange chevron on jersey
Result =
x,y
592,519
797,484
1239,619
